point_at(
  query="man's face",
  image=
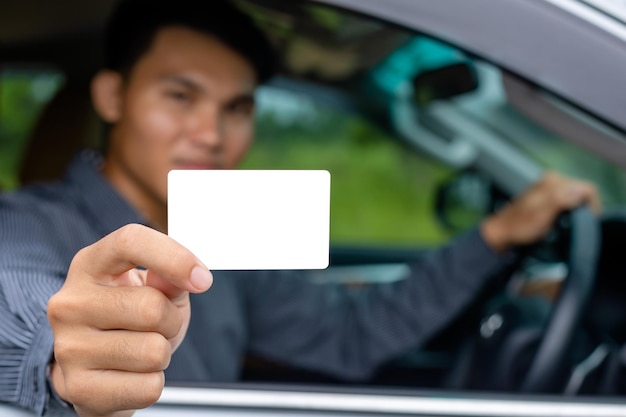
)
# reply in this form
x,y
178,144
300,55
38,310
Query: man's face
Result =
x,y
187,104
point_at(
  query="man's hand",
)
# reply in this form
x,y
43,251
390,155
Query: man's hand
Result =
x,y
528,218
115,327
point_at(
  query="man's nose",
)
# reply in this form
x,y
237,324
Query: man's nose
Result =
x,y
207,127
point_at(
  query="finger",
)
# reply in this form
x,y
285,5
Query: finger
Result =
x,y
119,350
589,195
579,193
154,280
567,193
97,393
135,245
143,309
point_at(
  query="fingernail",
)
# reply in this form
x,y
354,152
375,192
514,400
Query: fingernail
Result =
x,y
201,278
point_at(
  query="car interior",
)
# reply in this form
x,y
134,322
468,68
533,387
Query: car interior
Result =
x,y
443,136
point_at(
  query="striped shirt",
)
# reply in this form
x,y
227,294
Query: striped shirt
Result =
x,y
273,314
41,228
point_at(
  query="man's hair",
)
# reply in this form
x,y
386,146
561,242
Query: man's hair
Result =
x,y
134,23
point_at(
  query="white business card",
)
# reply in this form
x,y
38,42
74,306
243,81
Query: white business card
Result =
x,y
251,219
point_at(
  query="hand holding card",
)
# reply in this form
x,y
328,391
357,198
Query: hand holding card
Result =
x,y
249,219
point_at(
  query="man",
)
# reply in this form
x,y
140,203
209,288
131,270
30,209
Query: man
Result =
x,y
177,93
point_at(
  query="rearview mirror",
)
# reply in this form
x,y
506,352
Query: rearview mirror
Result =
x,y
463,201
444,82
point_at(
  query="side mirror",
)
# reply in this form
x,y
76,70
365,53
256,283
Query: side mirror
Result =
x,y
444,82
466,199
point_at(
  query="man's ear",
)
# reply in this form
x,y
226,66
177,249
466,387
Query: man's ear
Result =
x,y
106,95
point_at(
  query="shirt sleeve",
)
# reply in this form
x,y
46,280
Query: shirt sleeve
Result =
x,y
28,278
349,334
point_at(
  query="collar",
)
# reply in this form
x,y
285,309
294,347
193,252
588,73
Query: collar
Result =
x,y
107,209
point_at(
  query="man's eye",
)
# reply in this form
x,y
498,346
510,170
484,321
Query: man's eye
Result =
x,y
180,96
243,109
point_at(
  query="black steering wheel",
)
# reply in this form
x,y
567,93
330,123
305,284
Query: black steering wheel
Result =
x,y
549,360
527,348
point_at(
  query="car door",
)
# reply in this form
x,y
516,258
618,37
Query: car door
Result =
x,y
428,168
410,175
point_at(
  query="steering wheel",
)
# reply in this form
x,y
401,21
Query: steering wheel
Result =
x,y
526,349
550,357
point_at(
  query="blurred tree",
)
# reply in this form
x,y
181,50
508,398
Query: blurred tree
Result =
x,y
22,96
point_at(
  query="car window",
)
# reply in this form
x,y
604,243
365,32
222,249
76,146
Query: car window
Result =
x,y
23,94
387,180
379,186
422,143
501,110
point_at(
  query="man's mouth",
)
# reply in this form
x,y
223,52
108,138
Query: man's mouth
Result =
x,y
189,165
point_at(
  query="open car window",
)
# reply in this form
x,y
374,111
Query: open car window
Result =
x,y
423,141
424,138
389,165
24,92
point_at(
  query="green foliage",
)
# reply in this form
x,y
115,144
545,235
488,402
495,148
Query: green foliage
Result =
x,y
381,192
22,96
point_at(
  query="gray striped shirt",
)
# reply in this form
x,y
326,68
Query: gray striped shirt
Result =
x,y
41,228
274,314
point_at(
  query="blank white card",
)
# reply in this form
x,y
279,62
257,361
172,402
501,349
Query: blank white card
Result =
x,y
250,219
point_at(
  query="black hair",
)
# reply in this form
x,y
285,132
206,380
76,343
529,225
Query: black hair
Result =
x,y
134,24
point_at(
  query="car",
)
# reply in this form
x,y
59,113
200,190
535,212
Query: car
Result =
x,y
431,114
